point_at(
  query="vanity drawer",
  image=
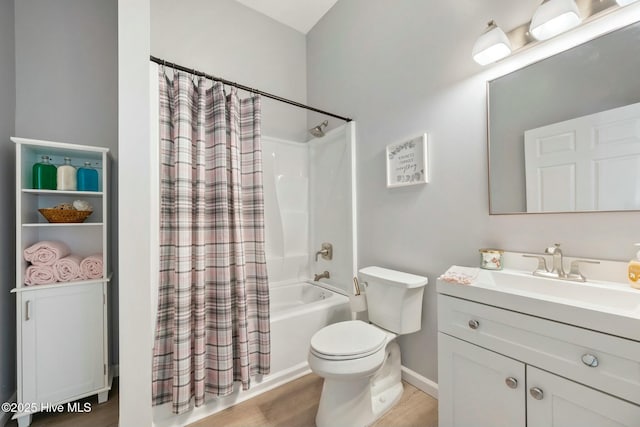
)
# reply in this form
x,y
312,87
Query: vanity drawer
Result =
x,y
556,347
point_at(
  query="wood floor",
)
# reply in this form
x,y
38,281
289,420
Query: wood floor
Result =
x,y
291,405
295,405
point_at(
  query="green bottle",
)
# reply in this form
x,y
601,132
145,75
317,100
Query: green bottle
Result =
x,y
44,175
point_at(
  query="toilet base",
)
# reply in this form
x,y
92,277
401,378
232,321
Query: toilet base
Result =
x,y
358,402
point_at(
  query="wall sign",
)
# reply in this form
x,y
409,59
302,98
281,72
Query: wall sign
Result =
x,y
407,162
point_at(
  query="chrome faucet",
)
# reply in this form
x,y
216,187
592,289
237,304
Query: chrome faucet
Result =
x,y
557,269
324,275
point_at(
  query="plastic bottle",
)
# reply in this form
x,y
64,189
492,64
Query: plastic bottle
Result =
x,y
87,178
67,176
44,175
633,272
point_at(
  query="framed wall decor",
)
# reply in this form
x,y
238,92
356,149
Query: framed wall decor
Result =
x,y
407,162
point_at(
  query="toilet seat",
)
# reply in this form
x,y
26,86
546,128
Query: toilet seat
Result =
x,y
353,339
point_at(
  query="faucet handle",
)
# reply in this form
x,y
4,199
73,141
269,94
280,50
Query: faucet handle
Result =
x,y
542,262
575,265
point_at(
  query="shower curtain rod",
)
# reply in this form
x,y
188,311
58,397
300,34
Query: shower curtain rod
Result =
x,y
243,87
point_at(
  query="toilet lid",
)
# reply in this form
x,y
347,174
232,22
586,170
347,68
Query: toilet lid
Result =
x,y
347,340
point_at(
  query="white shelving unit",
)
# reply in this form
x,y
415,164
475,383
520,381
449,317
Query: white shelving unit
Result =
x,y
62,336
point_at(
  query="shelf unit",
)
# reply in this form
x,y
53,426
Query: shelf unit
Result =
x,y
62,336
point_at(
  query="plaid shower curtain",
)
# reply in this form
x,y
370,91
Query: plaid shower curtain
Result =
x,y
213,309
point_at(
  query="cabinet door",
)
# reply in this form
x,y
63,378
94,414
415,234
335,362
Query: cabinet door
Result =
x,y
553,401
62,342
478,387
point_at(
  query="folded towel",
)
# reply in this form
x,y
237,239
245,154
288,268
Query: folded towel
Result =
x,y
92,267
462,275
67,269
46,252
39,275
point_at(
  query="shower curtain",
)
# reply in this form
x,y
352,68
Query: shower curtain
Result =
x,y
213,306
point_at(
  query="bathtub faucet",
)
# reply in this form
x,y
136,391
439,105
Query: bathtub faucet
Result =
x,y
324,275
326,251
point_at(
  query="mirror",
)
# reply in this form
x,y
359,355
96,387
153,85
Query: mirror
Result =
x,y
574,113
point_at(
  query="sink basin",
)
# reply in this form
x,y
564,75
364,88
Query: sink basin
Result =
x,y
609,307
607,296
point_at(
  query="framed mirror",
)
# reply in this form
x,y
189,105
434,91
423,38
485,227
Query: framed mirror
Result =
x,y
564,133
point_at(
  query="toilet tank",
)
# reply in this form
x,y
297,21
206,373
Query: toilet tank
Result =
x,y
394,299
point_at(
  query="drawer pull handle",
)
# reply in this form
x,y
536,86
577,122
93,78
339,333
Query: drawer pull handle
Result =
x,y
474,324
590,360
536,393
511,382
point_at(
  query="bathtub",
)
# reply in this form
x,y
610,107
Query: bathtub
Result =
x,y
298,310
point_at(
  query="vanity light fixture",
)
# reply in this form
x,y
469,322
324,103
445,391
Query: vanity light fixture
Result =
x,y
491,46
624,2
554,17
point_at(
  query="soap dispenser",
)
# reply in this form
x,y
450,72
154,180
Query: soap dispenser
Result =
x,y
633,273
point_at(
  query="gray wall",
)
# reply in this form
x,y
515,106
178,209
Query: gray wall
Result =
x,y
7,197
67,83
402,68
231,41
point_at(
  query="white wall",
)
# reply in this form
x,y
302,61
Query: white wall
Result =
x,y
402,68
134,134
332,215
7,199
66,84
286,208
231,41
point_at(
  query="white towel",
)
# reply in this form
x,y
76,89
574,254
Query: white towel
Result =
x,y
458,274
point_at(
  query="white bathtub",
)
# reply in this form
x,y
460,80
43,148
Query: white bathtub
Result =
x,y
298,310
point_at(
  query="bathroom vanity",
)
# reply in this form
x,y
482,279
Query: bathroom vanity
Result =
x,y
518,350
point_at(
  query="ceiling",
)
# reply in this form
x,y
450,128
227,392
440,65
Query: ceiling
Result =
x,y
300,15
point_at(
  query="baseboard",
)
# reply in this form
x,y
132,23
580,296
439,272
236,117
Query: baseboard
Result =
x,y
420,382
6,416
116,370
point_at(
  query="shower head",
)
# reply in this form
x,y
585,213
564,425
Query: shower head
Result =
x,y
317,130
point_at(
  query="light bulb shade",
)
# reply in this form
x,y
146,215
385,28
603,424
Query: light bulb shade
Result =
x,y
554,17
624,2
491,46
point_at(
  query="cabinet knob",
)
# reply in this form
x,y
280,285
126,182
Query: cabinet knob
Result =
x,y
536,393
473,324
590,360
511,382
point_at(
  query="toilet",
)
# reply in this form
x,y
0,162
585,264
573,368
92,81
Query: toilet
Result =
x,y
359,361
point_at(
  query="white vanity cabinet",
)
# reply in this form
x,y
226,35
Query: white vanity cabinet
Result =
x,y
62,327
497,367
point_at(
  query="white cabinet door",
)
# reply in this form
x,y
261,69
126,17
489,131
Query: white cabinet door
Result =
x,y
62,342
553,401
478,387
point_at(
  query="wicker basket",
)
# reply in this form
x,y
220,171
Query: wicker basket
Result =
x,y
64,215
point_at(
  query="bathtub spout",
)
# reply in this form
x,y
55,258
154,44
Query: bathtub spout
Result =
x,y
324,275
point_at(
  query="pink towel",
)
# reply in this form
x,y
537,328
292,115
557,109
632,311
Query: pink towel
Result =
x,y
46,252
39,275
67,269
91,267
